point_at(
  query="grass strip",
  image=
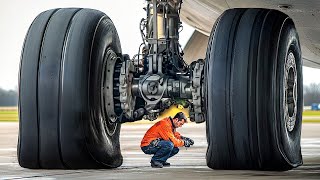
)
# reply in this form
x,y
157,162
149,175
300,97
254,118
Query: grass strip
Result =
x,y
12,116
311,113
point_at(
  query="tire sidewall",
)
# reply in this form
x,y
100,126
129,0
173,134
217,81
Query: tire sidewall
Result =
x,y
101,143
288,142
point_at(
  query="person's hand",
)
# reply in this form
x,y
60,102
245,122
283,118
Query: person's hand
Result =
x,y
187,141
190,140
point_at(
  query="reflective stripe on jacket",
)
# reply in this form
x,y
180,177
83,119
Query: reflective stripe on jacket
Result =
x,y
163,129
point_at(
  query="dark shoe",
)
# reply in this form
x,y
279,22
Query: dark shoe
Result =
x,y
156,164
166,164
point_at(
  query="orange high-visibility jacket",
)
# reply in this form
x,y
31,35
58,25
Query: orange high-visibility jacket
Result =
x,y
165,130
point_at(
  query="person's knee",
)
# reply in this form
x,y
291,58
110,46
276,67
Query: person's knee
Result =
x,y
168,145
171,145
175,150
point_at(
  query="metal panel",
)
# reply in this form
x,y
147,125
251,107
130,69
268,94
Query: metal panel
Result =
x,y
201,14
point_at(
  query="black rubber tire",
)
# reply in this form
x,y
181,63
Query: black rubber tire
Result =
x,y
245,61
62,121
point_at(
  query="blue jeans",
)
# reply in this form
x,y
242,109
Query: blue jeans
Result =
x,y
162,151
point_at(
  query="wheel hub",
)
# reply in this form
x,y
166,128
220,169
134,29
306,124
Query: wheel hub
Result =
x,y
127,100
109,91
290,92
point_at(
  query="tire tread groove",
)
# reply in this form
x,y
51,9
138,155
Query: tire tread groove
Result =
x,y
60,84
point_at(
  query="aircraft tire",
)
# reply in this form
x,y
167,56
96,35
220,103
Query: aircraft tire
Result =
x,y
253,108
63,124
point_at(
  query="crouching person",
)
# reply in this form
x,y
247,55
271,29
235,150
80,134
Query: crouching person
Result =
x,y
163,141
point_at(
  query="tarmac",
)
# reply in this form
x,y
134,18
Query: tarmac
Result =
x,y
187,164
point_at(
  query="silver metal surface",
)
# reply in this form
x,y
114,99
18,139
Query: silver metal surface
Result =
x,y
152,88
290,92
196,47
110,116
127,100
201,14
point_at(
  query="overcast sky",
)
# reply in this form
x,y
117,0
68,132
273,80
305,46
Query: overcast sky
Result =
x,y
17,15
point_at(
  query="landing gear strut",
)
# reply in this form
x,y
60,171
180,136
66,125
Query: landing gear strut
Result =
x,y
159,76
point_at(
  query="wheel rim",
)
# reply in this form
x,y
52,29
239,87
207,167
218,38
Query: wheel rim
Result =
x,y
107,92
290,92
